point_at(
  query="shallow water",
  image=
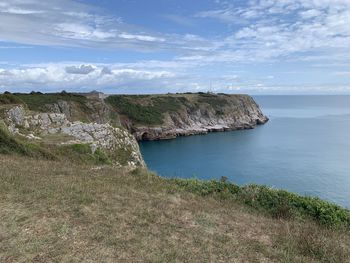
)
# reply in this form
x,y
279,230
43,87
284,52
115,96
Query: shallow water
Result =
x,y
304,148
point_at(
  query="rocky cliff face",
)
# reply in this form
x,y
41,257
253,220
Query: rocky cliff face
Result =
x,y
116,142
186,114
99,121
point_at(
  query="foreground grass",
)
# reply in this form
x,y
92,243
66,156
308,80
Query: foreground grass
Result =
x,y
59,212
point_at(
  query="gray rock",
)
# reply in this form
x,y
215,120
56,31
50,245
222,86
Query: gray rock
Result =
x,y
103,136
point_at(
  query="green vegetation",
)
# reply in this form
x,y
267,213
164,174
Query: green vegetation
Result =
x,y
78,153
277,203
122,155
64,212
81,153
9,98
36,101
11,145
149,109
215,101
144,109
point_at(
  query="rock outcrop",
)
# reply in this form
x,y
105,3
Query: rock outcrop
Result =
x,y
190,114
111,139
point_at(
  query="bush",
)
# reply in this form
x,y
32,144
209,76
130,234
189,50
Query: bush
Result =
x,y
82,153
36,100
277,203
8,98
143,111
10,145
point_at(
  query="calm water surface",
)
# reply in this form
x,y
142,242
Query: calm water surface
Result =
x,y
304,148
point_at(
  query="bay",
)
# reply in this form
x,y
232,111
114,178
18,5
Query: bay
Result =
x,y
304,148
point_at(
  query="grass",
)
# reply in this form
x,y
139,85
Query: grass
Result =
x,y
276,203
64,212
10,99
150,109
144,109
78,153
37,101
11,145
215,101
81,153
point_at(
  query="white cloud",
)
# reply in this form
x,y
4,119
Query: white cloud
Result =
x,y
141,37
68,23
86,76
283,29
342,73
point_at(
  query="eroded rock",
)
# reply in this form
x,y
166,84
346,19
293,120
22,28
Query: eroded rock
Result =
x,y
98,136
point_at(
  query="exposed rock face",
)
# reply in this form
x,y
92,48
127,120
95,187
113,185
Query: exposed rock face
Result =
x,y
200,114
95,110
98,136
89,119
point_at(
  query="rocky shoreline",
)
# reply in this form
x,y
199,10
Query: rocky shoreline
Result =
x,y
153,134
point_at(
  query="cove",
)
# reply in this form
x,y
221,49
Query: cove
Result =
x,y
304,148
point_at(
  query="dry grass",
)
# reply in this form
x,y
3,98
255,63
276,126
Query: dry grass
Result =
x,y
60,212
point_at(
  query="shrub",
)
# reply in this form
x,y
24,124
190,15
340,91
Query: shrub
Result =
x,y
36,101
8,98
277,203
10,145
141,111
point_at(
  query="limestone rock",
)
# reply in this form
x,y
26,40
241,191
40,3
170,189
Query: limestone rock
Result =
x,y
98,136
240,112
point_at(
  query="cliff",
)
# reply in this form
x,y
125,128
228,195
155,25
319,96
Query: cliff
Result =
x,y
154,117
71,127
109,126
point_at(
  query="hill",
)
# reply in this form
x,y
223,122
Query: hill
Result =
x,y
58,212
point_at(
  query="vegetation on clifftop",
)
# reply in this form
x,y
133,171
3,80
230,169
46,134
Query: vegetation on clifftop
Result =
x,y
78,153
11,145
143,109
36,101
276,203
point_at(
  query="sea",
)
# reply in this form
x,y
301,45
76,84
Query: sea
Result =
x,y
304,148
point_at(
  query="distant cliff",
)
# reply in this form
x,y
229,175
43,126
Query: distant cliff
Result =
x,y
155,117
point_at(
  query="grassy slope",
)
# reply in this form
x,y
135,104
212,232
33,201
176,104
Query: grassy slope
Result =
x,y
145,109
149,109
79,153
37,101
11,145
52,211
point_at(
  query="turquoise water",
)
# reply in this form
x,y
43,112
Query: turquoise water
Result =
x,y
304,148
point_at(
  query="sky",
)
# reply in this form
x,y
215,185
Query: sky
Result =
x,y
161,46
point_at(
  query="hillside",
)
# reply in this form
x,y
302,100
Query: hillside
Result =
x,y
66,212
154,117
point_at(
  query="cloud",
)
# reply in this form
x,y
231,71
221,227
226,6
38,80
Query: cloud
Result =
x,y
141,37
82,69
85,76
252,35
342,73
270,30
69,23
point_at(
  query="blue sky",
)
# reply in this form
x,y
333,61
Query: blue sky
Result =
x,y
160,46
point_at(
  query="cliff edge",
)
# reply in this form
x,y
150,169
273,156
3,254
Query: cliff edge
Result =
x,y
155,117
